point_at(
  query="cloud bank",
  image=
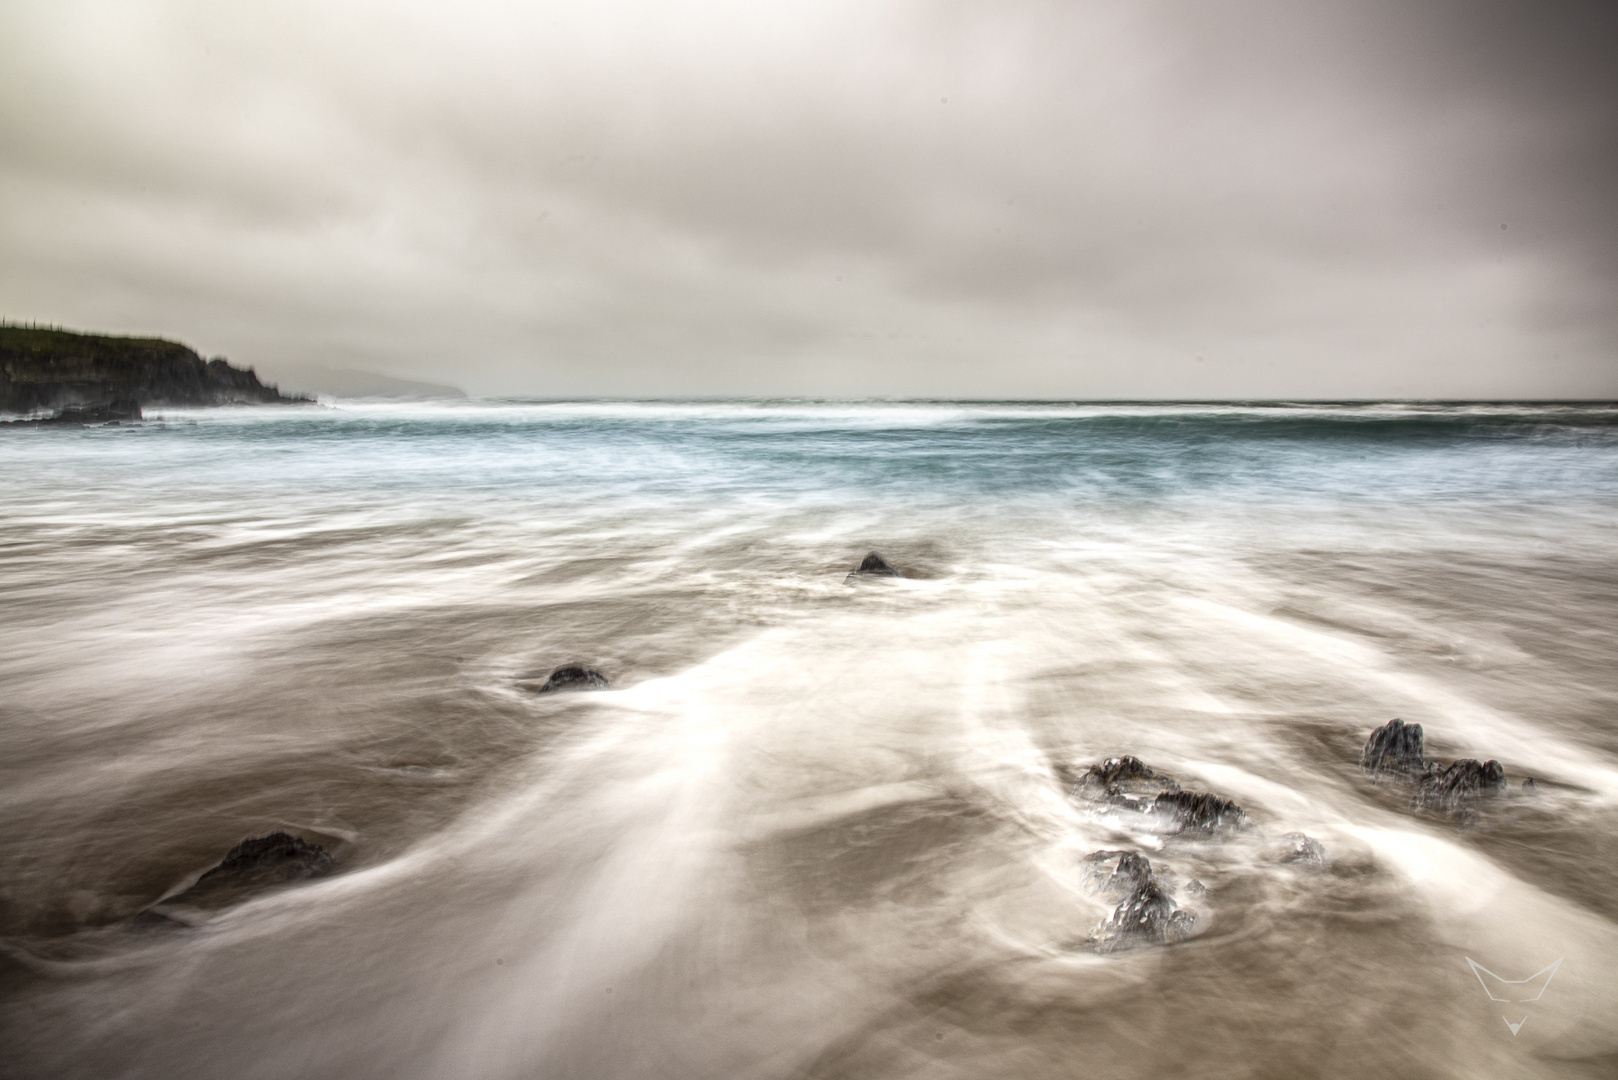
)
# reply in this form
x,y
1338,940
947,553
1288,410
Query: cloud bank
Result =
x,y
1094,200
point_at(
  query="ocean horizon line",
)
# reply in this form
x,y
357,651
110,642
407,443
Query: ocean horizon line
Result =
x,y
1052,401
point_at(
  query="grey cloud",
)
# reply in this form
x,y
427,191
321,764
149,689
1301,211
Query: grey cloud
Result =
x,y
1020,199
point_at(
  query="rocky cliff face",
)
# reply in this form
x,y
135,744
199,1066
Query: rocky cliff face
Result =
x,y
51,370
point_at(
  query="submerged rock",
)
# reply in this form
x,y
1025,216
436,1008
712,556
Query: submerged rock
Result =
x,y
1303,850
154,920
1395,747
1457,786
258,863
573,677
874,565
1147,914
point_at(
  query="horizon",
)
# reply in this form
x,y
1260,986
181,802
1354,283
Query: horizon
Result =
x,y
461,395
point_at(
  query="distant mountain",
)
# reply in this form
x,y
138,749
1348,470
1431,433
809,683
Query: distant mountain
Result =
x,y
57,370
350,383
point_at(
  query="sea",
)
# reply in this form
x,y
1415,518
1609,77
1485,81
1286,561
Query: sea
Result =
x,y
816,826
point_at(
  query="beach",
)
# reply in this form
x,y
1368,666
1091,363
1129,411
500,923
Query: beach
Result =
x,y
815,825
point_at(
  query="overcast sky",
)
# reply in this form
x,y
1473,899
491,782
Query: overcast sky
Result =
x,y
1075,199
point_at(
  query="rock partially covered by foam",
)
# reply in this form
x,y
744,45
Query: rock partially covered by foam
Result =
x,y
1395,747
1116,873
1125,775
1457,786
573,677
260,862
1301,850
874,565
1147,914
1124,782
1128,783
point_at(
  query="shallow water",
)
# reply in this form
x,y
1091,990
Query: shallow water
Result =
x,y
815,828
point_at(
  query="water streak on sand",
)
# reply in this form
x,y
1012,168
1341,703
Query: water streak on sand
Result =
x,y
814,827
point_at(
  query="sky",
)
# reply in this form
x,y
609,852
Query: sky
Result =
x,y
1077,199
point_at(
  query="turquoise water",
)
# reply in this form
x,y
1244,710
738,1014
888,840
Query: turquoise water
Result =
x,y
814,827
928,452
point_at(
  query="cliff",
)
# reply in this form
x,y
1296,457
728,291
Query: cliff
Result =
x,y
55,370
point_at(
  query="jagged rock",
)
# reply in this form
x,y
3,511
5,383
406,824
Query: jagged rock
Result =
x,y
874,565
1395,747
1143,917
1119,770
1196,888
1116,873
1460,784
258,863
1121,778
1147,915
1128,783
1115,769
1199,811
573,677
1304,850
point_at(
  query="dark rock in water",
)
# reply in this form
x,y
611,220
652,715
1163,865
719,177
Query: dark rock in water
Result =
x,y
1116,873
573,677
875,565
1130,784
1459,785
258,863
1143,914
1303,850
1196,888
1529,787
80,415
1395,747
1120,777
1148,917
1199,811
1117,769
